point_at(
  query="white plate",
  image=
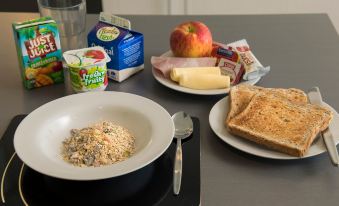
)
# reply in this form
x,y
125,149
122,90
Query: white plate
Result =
x,y
39,137
173,85
217,118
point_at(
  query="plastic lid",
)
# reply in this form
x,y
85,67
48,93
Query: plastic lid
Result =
x,y
86,57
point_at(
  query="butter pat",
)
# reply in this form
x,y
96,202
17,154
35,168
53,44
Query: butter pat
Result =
x,y
177,72
204,81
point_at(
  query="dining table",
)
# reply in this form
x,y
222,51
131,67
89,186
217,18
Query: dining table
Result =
x,y
302,51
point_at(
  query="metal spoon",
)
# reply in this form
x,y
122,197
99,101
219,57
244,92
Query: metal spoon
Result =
x,y
183,129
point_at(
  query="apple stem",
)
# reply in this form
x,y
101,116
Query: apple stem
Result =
x,y
190,29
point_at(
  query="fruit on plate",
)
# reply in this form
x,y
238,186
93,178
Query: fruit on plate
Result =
x,y
191,39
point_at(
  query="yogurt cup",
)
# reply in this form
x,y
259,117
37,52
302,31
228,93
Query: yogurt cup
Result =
x,y
87,68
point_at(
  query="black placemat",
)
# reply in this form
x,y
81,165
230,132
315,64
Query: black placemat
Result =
x,y
151,185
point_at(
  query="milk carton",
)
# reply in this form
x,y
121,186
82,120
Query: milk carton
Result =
x,y
39,53
124,46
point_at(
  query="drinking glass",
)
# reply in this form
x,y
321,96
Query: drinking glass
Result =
x,y
70,15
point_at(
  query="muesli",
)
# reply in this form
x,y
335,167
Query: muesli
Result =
x,y
101,144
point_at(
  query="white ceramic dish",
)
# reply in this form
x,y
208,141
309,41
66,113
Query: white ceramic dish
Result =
x,y
39,137
217,117
173,85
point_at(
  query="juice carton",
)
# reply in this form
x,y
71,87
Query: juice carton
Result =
x,y
124,46
39,52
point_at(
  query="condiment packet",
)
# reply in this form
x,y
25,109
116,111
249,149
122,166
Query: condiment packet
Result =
x,y
228,61
253,68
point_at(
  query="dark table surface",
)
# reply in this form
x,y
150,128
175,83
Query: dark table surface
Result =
x,y
302,50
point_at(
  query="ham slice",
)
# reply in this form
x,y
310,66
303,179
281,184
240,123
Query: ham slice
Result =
x,y
165,64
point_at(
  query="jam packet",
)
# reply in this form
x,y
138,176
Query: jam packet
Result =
x,y
228,61
253,68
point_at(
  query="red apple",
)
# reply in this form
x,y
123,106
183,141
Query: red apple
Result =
x,y
191,39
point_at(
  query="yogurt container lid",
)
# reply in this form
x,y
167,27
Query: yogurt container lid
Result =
x,y
86,57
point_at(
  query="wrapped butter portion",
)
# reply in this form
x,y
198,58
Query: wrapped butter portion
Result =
x,y
177,72
253,68
204,81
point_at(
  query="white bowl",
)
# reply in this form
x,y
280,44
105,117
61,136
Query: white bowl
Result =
x,y
38,138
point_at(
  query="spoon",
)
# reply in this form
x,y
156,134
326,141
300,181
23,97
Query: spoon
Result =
x,y
183,128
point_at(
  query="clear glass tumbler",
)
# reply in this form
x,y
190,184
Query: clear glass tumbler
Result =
x,y
70,15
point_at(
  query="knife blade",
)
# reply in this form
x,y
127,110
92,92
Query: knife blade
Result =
x,y
314,97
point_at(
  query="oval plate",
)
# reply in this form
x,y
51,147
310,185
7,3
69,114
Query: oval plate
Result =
x,y
173,85
217,118
38,138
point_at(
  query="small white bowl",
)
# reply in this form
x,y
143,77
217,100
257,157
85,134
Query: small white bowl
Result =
x,y
38,138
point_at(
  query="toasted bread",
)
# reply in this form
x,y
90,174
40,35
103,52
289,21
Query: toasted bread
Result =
x,y
279,124
241,95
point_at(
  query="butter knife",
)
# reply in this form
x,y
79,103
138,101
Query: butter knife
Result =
x,y
314,97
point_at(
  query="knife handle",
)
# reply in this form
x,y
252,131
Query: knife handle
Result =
x,y
316,92
315,98
331,147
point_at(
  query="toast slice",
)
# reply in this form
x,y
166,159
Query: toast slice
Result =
x,y
241,95
279,124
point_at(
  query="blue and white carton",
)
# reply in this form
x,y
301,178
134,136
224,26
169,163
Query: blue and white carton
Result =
x,y
124,46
